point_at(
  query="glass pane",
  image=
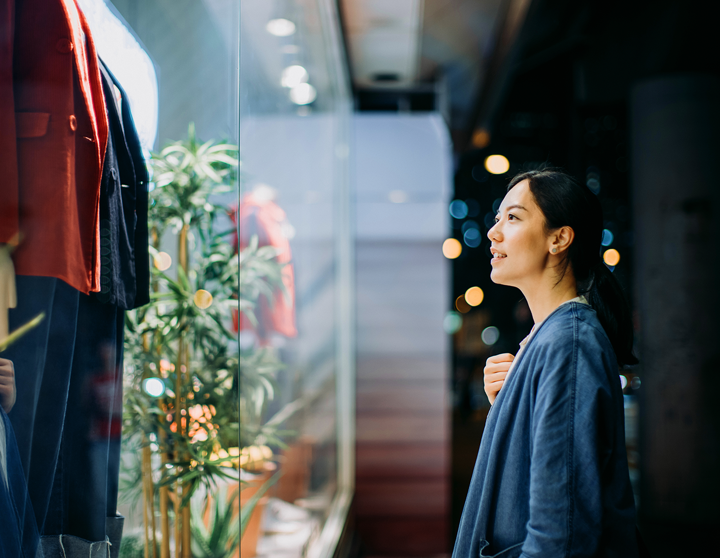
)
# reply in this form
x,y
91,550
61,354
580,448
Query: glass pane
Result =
x,y
294,113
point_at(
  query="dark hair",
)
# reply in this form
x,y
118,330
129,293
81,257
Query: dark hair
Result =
x,y
566,203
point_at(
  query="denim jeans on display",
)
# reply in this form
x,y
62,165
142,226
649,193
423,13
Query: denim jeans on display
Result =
x,y
67,414
42,360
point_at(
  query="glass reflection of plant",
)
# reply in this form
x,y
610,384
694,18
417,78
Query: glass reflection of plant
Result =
x,y
182,401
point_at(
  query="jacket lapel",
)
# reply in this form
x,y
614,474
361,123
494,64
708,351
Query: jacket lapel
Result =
x,y
86,62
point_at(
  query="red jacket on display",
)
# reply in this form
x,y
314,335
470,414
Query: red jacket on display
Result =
x,y
53,135
264,218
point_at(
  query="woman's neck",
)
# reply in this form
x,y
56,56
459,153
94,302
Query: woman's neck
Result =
x,y
544,296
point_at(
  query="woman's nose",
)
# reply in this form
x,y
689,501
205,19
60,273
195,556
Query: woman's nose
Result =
x,y
493,233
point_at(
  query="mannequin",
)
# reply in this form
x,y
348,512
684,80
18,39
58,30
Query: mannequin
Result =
x,y
259,215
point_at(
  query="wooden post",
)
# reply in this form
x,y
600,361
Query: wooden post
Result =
x,y
163,494
182,515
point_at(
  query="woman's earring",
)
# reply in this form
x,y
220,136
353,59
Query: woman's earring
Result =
x,y
554,250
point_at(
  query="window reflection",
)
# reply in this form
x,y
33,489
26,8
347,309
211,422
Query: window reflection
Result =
x,y
293,135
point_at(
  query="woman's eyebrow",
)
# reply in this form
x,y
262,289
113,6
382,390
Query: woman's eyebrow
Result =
x,y
516,206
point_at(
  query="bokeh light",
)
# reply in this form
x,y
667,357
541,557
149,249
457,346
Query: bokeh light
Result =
x,y
458,209
480,138
452,322
293,76
472,238
490,335
163,261
497,164
607,237
611,257
461,305
594,185
303,94
280,27
398,196
203,299
474,296
623,381
451,248
469,224
154,387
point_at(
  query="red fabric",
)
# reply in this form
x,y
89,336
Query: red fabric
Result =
x,y
53,135
264,219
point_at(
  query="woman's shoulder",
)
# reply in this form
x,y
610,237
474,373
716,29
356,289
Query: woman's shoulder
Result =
x,y
571,342
573,327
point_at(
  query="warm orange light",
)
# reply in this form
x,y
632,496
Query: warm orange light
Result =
x,y
611,257
462,305
497,164
474,296
452,248
163,261
480,138
202,299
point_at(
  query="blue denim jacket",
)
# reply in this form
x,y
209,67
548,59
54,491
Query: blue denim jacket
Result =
x,y
551,478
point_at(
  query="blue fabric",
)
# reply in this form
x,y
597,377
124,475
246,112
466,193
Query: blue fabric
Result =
x,y
18,531
124,256
551,478
85,484
43,360
67,415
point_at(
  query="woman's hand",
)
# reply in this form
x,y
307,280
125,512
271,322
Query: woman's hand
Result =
x,y
496,368
7,384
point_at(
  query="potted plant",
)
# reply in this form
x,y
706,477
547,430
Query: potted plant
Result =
x,y
194,402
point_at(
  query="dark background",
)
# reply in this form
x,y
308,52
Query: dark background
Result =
x,y
625,93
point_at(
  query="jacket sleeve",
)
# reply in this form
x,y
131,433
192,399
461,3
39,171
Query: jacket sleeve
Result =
x,y
9,198
571,445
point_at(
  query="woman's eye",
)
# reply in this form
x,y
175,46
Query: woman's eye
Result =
x,y
511,216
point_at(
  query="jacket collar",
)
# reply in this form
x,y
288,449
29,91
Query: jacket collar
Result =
x,y
86,63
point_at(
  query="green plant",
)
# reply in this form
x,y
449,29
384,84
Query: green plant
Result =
x,y
183,340
247,510
194,432
221,537
132,546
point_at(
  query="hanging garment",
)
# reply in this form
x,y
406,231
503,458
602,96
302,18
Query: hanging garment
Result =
x,y
264,219
124,257
67,416
53,135
18,532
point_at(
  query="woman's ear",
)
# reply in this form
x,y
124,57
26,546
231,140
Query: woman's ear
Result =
x,y
561,239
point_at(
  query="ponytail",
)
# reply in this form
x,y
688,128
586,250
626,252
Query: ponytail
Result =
x,y
566,203
613,311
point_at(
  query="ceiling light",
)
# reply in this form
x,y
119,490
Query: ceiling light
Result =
x,y
280,27
303,94
293,76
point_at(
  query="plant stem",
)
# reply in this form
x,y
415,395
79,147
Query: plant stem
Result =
x,y
178,521
182,517
186,529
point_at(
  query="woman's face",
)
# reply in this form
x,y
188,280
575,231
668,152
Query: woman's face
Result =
x,y
520,245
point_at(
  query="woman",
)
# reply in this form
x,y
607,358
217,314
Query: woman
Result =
x,y
551,478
